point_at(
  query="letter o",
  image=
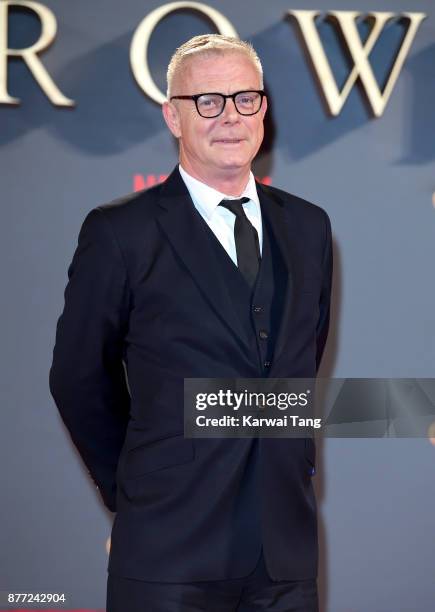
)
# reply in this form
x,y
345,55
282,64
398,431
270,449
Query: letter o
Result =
x,y
140,41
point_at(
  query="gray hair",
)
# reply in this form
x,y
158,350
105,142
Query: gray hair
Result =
x,y
207,45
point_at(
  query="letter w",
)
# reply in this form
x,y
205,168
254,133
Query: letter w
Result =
x,y
359,53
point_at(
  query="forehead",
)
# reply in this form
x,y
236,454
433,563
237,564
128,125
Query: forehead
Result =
x,y
225,73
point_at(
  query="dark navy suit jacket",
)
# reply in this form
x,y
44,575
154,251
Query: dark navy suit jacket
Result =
x,y
146,305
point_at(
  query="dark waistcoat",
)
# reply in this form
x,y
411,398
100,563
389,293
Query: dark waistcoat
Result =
x,y
259,309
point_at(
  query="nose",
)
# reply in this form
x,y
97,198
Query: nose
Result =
x,y
230,114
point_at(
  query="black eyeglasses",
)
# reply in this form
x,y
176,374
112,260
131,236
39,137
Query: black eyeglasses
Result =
x,y
210,105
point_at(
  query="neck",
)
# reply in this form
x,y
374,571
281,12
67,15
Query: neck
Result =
x,y
231,182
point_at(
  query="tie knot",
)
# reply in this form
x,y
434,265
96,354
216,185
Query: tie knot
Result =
x,y
235,206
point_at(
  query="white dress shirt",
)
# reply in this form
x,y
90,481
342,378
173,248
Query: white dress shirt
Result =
x,y
219,219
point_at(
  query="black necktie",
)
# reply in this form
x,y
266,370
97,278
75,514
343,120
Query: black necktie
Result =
x,y
246,239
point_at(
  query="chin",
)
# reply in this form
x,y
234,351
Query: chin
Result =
x,y
234,163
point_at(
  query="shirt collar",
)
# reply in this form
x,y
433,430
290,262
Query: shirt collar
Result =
x,y
207,199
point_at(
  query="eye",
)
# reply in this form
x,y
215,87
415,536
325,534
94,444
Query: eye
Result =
x,y
246,99
209,101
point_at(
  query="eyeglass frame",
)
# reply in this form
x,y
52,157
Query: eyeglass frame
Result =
x,y
224,96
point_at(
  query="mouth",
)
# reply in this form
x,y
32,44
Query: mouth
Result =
x,y
229,141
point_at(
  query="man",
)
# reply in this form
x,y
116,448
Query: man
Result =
x,y
208,275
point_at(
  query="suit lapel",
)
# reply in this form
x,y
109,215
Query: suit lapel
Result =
x,y
273,209
183,226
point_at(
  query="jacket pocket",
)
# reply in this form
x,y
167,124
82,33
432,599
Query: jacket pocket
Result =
x,y
158,455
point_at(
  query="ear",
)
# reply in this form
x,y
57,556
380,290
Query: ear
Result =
x,y
172,118
264,106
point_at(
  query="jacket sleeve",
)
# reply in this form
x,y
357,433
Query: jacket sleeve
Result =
x,y
325,296
87,377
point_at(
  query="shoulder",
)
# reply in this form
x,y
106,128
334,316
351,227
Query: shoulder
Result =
x,y
126,218
122,226
132,207
296,206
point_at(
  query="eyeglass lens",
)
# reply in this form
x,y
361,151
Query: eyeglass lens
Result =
x,y
247,103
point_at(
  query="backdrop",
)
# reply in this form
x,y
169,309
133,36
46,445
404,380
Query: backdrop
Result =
x,y
368,160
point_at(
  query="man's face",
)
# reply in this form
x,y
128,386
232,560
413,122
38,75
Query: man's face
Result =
x,y
224,145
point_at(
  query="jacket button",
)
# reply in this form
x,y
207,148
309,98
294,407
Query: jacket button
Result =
x,y
267,364
263,334
258,309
